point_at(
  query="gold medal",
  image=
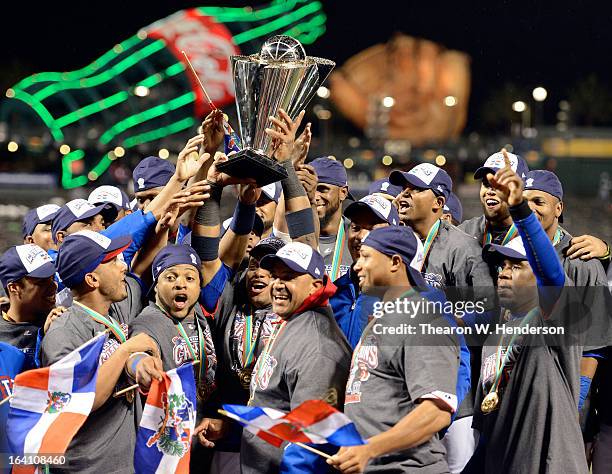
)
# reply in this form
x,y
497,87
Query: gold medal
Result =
x,y
203,392
244,375
490,402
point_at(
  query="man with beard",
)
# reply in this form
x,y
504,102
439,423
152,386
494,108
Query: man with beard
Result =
x,y
243,322
452,262
332,190
351,307
544,194
37,226
26,271
306,356
495,225
401,387
532,374
88,264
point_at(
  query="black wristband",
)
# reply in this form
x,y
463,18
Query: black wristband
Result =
x,y
208,214
291,185
207,248
300,223
521,211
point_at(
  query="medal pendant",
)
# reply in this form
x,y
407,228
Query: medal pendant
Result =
x,y
203,391
244,375
490,403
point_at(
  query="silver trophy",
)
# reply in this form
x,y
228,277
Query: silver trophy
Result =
x,y
280,76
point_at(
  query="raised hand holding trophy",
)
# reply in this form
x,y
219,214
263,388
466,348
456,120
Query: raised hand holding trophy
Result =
x,y
281,76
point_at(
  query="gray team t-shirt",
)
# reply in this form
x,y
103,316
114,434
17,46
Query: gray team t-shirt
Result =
x,y
390,373
309,360
455,260
535,428
174,350
105,442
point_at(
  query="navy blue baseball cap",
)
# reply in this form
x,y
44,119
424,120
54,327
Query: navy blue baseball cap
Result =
x,y
40,215
546,181
268,246
152,172
83,251
383,186
74,211
402,241
272,192
330,171
424,176
172,255
495,162
542,180
110,195
377,205
514,250
453,207
298,257
26,260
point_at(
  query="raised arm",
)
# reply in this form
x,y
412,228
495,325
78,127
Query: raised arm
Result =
x,y
298,211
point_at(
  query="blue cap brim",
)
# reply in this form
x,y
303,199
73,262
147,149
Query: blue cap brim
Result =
x,y
495,252
482,172
358,206
399,178
44,271
267,263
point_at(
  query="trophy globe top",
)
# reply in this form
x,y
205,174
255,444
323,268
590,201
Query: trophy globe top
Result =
x,y
282,48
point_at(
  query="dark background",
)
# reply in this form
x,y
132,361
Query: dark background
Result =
x,y
555,44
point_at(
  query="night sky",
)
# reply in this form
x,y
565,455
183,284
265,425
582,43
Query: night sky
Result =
x,y
527,43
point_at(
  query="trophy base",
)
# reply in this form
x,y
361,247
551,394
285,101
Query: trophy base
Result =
x,y
249,163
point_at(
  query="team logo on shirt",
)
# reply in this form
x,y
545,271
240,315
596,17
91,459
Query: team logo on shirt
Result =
x,y
111,345
57,401
173,435
263,374
180,351
434,279
365,360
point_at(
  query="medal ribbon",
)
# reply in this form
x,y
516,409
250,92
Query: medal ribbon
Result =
x,y
203,359
431,235
501,362
558,237
279,326
248,342
109,322
338,251
511,234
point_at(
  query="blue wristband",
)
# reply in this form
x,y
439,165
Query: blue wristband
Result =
x,y
243,219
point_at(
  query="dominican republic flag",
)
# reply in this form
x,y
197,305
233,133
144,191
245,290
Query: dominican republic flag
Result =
x,y
163,444
50,405
231,138
314,421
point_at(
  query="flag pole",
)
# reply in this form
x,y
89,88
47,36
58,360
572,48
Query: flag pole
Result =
x,y
2,402
133,387
210,102
301,445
